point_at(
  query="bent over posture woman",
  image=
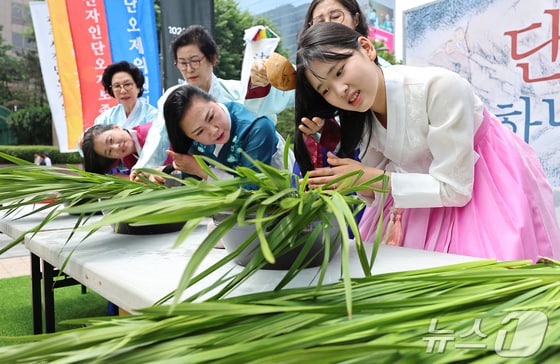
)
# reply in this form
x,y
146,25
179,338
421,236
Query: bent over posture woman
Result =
x,y
460,181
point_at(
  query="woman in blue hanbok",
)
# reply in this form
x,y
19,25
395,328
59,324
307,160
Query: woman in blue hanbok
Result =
x,y
199,125
196,53
125,82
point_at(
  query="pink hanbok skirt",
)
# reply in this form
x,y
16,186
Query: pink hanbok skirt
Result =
x,y
511,214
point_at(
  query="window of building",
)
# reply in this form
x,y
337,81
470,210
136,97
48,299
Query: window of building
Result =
x,y
18,42
18,14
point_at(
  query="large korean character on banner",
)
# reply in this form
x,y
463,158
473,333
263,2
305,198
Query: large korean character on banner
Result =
x,y
512,64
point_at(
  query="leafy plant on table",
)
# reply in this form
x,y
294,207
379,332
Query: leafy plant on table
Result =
x,y
280,208
54,189
393,314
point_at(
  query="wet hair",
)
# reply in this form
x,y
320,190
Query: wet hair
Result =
x,y
196,34
177,104
94,162
351,6
329,42
122,66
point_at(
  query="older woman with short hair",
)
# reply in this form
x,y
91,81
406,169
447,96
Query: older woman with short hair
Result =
x,y
125,82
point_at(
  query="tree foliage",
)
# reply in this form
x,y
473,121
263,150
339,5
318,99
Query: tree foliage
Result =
x,y
8,73
32,125
21,81
230,25
31,88
22,90
384,53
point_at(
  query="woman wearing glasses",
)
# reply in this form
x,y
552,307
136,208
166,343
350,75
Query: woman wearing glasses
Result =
x,y
196,53
125,82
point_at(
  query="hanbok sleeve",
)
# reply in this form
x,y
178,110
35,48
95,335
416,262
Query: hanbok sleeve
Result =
x,y
270,102
157,141
260,142
105,118
453,113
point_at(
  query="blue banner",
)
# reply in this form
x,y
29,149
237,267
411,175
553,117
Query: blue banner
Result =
x,y
133,37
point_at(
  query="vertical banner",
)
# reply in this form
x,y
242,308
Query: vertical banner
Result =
x,y
132,36
176,15
87,38
513,64
67,73
47,59
88,26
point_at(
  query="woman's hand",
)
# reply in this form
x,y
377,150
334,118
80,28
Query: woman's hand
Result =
x,y
139,176
157,179
135,176
340,167
311,126
258,74
186,163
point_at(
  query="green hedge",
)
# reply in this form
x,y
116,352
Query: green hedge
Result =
x,y
26,152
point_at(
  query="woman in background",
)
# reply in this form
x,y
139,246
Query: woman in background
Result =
x,y
125,82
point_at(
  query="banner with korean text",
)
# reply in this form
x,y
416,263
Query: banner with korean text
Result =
x,y
88,26
133,37
67,72
47,59
510,54
90,35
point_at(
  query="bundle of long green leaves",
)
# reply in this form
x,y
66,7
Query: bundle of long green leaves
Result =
x,y
498,312
280,207
55,189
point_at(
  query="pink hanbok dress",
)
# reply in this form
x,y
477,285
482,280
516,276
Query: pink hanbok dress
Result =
x,y
500,206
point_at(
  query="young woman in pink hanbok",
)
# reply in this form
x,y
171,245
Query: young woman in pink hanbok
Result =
x,y
459,181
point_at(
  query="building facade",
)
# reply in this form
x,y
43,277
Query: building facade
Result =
x,y
15,19
288,16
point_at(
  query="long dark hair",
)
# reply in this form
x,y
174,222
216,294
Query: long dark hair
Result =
x,y
94,162
353,8
177,104
329,42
